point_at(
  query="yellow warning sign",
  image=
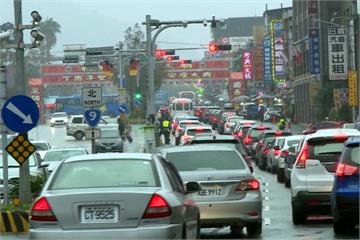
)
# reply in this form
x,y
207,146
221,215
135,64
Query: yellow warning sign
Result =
x,y
352,81
20,148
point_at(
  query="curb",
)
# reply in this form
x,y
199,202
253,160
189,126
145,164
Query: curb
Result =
x,y
14,222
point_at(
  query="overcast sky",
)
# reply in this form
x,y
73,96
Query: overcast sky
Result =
x,y
102,22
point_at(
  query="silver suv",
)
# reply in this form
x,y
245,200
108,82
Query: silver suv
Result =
x,y
77,125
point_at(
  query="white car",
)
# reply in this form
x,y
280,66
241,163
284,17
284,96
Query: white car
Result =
x,y
58,118
312,175
54,157
277,154
41,146
180,130
230,123
191,132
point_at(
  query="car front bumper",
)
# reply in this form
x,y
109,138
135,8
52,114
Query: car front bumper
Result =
x,y
109,149
227,212
170,231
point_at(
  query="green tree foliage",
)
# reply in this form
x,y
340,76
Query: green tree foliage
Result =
x,y
49,28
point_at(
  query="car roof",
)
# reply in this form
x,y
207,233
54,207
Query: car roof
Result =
x,y
65,149
110,156
189,120
77,116
197,127
216,137
293,137
201,147
333,131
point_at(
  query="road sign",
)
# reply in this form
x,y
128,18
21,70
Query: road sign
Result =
x,y
91,96
138,102
122,95
20,148
123,108
20,113
92,133
352,82
92,117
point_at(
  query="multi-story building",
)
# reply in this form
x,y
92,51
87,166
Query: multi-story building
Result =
x,y
321,72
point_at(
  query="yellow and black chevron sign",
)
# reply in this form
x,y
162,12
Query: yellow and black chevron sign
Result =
x,y
15,222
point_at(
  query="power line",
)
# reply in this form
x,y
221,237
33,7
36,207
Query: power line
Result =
x,y
182,43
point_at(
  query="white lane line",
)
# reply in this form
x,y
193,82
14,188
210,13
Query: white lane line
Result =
x,y
267,221
266,198
266,190
267,208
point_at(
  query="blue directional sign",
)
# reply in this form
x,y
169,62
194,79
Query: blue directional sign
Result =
x,y
123,108
137,102
92,117
20,113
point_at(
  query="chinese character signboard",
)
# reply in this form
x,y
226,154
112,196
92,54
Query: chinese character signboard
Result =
x,y
313,7
267,60
337,53
352,81
314,51
247,65
278,60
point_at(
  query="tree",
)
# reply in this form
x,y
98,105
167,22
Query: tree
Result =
x,y
134,37
49,28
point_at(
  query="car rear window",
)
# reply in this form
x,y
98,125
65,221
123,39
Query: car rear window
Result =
x,y
206,160
326,150
277,134
105,173
185,124
292,143
193,132
351,155
232,120
58,155
256,132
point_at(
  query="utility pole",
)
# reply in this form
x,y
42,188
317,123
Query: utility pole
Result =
x,y
150,112
3,133
24,172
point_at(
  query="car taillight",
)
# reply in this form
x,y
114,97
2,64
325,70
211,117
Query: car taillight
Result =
x,y
240,134
345,170
303,156
41,211
247,140
157,208
265,151
246,185
276,152
284,153
226,125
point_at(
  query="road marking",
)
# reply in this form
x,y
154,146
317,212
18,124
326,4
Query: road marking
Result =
x,y
266,190
267,221
266,198
267,208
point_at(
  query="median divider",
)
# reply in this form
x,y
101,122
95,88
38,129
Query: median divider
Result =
x,y
14,222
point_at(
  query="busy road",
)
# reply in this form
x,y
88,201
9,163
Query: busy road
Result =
x,y
276,205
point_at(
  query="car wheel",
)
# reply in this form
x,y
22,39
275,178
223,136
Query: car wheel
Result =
x,y
236,230
79,135
298,216
280,175
254,229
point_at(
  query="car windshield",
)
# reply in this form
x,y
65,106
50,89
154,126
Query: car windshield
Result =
x,y
206,160
293,143
256,132
119,173
13,163
55,156
41,146
109,133
56,115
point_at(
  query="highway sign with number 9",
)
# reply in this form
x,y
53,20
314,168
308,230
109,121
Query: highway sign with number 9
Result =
x,y
92,117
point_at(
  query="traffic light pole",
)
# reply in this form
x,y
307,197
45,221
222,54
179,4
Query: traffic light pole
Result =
x,y
24,172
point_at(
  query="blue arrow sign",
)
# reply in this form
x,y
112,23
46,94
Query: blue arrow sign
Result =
x,y
138,102
92,117
20,113
123,108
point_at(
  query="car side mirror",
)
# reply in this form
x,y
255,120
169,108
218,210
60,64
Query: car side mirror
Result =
x,y
44,165
276,147
192,187
290,160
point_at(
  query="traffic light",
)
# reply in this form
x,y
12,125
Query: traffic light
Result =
x,y
138,96
213,47
162,53
169,52
106,68
182,61
133,67
172,58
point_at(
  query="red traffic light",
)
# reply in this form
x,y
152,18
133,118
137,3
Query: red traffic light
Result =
x,y
213,47
183,61
159,53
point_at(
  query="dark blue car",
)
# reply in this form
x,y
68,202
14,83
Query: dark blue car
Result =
x,y
345,193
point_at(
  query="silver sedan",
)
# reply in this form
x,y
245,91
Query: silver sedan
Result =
x,y
230,194
112,196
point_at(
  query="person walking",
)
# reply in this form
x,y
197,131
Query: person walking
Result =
x,y
261,112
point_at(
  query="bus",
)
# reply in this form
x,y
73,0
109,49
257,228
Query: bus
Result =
x,y
72,104
181,106
187,94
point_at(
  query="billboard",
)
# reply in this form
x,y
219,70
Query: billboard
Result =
x,y
277,50
247,65
337,53
314,51
267,60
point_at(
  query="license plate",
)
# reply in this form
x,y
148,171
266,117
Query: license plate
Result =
x,y
108,148
99,214
211,191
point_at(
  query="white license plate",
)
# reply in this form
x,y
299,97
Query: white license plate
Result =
x,y
108,148
99,214
212,191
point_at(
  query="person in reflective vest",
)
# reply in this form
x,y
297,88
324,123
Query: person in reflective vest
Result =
x,y
165,125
